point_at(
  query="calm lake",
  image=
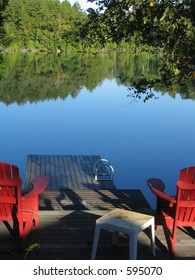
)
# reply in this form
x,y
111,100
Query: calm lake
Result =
x,y
79,105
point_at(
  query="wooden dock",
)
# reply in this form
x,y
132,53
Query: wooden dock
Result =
x,y
73,185
68,235
92,200
78,200
66,171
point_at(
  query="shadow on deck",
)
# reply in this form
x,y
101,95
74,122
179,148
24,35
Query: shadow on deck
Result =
x,y
68,234
83,199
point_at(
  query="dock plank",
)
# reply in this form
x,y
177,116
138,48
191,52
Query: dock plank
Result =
x,y
61,171
73,172
68,235
65,171
88,199
86,168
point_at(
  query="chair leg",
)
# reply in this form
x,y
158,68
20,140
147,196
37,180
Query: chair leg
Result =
x,y
169,238
13,231
152,239
132,245
95,242
36,220
26,230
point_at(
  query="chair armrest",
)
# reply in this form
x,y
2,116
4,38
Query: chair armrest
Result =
x,y
157,187
39,184
30,201
156,183
163,196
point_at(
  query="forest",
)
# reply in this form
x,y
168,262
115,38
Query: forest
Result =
x,y
40,24
163,26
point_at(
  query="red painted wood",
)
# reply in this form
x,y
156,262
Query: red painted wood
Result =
x,y
23,210
173,212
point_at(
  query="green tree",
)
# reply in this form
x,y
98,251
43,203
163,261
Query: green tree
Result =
x,y
166,24
42,24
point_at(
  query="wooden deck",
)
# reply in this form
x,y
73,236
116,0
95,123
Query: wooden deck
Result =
x,y
73,186
92,200
66,171
68,235
78,200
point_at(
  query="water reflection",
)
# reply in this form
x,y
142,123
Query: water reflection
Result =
x,y
35,77
86,111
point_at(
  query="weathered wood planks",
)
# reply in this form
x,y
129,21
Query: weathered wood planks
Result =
x,y
80,199
68,235
73,186
66,171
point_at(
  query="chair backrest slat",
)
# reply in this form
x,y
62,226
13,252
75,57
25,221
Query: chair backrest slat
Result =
x,y
8,199
15,171
10,191
188,214
7,171
192,216
188,175
186,197
2,174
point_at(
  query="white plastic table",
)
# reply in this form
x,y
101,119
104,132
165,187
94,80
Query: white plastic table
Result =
x,y
128,222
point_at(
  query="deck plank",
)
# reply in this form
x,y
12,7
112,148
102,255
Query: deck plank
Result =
x,y
53,173
85,166
65,171
88,199
68,235
61,171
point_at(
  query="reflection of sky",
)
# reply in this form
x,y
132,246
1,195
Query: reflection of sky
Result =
x,y
141,140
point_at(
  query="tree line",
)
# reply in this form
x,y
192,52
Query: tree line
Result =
x,y
53,25
136,25
40,24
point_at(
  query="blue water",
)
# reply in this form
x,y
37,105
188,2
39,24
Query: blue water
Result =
x,y
141,140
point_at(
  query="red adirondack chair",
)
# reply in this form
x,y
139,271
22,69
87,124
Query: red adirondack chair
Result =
x,y
21,210
175,211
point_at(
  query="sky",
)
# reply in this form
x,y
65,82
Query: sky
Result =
x,y
83,3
